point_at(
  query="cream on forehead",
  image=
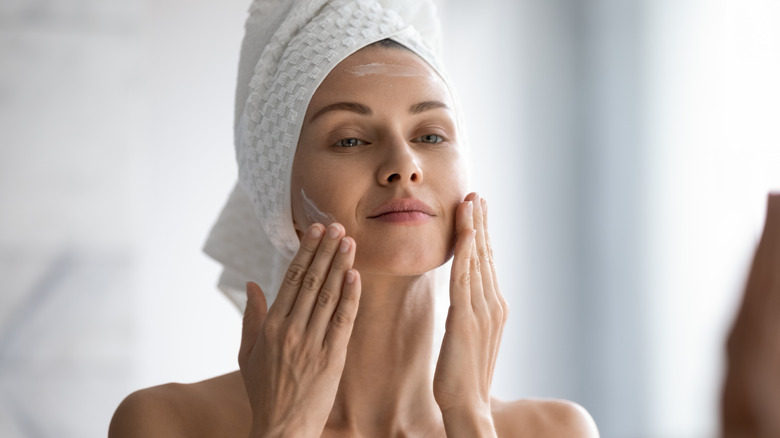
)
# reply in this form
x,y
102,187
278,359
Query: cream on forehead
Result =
x,y
313,213
380,68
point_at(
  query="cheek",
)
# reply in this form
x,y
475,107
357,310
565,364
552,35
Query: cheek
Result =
x,y
311,204
313,212
324,199
452,180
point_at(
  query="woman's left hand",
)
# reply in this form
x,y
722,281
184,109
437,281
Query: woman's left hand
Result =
x,y
475,323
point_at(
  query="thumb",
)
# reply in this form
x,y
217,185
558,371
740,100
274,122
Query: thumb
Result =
x,y
254,315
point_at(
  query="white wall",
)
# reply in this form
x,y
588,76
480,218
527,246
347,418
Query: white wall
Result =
x,y
115,158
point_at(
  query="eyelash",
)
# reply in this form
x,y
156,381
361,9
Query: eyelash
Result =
x,y
421,139
340,143
439,139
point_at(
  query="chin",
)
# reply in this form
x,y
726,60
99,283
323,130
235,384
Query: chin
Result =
x,y
405,261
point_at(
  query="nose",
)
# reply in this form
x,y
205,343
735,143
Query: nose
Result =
x,y
401,165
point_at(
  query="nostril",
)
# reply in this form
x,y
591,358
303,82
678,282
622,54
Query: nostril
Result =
x,y
392,177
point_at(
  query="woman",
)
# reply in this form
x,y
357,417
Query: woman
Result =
x,y
368,200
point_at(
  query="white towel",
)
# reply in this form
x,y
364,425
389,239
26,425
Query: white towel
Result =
x,y
288,50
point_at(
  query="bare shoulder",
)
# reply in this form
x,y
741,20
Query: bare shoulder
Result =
x,y
184,410
542,418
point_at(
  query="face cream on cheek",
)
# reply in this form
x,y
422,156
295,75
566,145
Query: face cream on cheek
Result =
x,y
313,213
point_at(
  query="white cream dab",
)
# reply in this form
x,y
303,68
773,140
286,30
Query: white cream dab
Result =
x,y
378,68
315,214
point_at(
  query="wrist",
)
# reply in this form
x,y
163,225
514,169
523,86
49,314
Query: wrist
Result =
x,y
469,422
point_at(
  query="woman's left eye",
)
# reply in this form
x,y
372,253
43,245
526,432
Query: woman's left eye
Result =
x,y
430,138
350,142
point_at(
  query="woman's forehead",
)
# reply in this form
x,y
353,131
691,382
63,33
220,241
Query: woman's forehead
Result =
x,y
366,71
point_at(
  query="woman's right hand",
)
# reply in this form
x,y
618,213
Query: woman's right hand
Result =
x,y
292,355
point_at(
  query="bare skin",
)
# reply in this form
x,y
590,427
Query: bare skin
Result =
x,y
751,393
219,407
346,348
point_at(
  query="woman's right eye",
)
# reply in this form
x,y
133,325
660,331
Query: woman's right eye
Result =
x,y
350,142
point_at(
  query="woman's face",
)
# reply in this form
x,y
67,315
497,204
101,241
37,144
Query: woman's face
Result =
x,y
379,154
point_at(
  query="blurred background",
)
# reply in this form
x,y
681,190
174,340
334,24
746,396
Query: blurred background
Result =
x,y
626,148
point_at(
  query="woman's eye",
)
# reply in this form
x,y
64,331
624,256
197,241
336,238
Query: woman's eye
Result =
x,y
350,142
430,138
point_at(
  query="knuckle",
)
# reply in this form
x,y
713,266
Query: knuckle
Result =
x,y
290,340
312,280
294,274
328,249
340,264
484,253
464,279
351,296
309,245
475,264
342,318
325,298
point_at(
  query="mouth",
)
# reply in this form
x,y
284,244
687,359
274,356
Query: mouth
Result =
x,y
409,210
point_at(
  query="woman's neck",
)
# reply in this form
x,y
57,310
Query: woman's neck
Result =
x,y
386,385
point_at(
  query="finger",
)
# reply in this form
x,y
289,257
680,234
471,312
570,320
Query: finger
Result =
x,y
483,251
254,315
758,291
770,238
293,278
315,276
492,263
328,298
477,292
759,300
460,274
340,328
504,309
768,256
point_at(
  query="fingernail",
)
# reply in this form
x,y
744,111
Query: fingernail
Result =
x,y
470,207
315,231
350,277
344,246
333,231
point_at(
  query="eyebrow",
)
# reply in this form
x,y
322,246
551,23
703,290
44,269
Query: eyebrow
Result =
x,y
361,109
428,105
354,107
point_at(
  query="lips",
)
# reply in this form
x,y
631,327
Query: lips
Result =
x,y
403,210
